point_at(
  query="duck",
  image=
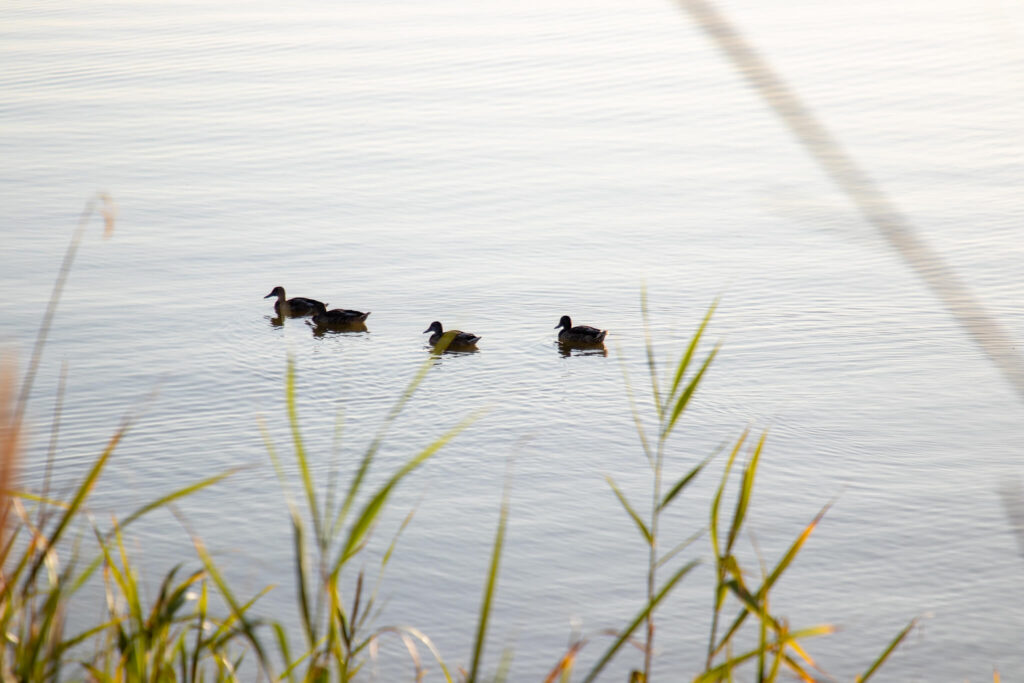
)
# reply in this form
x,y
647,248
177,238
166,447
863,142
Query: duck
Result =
x,y
452,339
336,316
581,334
299,305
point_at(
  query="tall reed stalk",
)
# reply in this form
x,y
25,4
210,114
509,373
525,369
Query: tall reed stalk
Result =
x,y
335,617
778,648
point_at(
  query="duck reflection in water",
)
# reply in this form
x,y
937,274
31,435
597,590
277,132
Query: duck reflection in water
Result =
x,y
566,349
320,331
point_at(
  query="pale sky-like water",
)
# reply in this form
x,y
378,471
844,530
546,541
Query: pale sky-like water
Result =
x,y
495,166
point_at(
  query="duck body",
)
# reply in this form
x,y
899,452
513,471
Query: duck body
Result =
x,y
336,316
299,305
452,339
580,334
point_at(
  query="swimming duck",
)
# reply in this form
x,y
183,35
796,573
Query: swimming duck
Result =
x,y
336,316
452,339
581,334
299,305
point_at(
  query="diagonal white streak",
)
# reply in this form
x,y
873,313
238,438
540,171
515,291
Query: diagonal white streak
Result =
x,y
866,195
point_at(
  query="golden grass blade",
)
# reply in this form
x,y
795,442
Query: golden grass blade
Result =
x,y
413,632
863,678
492,583
766,586
796,668
724,670
639,619
562,671
684,362
25,495
10,430
744,495
717,501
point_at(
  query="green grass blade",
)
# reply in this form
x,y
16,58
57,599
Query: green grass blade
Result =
x,y
639,619
375,505
681,484
630,511
371,451
176,495
641,432
724,670
492,583
76,503
237,610
302,575
300,450
744,495
717,500
687,393
684,362
55,295
679,548
652,365
885,654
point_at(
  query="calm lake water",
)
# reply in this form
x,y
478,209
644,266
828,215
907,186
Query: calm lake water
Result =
x,y
495,166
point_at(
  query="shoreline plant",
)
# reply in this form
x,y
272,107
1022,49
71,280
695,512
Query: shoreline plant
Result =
x,y
46,561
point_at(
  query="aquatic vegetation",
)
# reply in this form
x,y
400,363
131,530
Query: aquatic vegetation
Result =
x,y
198,628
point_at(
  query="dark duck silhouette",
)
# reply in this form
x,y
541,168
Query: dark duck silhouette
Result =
x,y
452,339
299,305
336,316
581,334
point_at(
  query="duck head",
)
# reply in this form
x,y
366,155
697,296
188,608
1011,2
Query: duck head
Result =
x,y
564,322
434,327
276,291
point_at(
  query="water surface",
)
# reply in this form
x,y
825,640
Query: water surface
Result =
x,y
495,166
